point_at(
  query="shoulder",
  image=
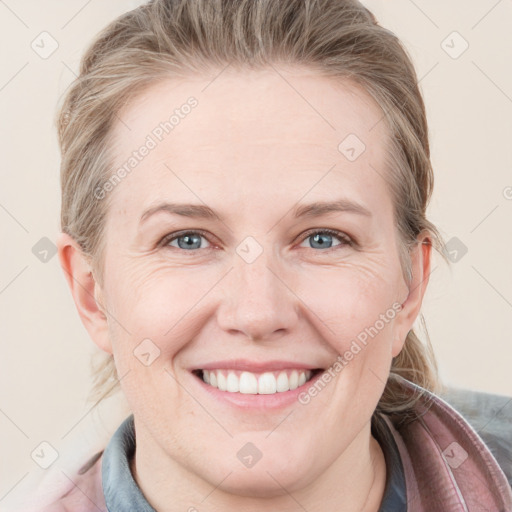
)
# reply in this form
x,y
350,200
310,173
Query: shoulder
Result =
x,y
490,415
70,491
86,490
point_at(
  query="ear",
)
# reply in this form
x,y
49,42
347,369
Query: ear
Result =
x,y
420,266
86,292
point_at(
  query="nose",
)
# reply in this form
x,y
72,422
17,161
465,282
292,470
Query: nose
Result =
x,y
258,300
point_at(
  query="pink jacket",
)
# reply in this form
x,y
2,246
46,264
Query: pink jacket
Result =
x,y
447,465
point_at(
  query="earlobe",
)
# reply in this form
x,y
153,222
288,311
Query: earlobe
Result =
x,y
420,266
87,293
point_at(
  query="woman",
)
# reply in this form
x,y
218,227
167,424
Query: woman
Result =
x,y
244,188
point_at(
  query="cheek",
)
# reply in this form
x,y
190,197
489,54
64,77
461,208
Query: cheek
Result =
x,y
136,305
350,300
150,297
156,311
356,318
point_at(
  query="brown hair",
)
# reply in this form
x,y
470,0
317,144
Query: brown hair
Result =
x,y
170,38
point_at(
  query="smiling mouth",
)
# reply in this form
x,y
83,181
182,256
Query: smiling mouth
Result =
x,y
248,383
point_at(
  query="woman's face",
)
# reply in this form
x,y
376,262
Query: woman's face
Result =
x,y
221,255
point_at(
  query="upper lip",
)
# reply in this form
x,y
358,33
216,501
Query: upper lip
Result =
x,y
254,366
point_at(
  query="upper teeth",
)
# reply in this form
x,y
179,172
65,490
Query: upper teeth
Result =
x,y
256,383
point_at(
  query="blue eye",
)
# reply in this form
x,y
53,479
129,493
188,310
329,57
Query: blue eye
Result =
x,y
322,238
186,240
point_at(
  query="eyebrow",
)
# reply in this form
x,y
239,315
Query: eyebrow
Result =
x,y
324,207
310,210
185,210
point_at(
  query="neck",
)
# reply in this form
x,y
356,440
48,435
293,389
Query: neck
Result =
x,y
354,482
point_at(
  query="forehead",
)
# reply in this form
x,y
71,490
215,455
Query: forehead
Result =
x,y
253,128
257,101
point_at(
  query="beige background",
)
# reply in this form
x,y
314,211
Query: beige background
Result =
x,y
45,349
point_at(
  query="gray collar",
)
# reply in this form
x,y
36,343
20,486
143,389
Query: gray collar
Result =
x,y
119,488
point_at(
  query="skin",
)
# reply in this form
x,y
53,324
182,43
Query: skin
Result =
x,y
251,150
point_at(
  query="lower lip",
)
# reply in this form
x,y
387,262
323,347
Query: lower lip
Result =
x,y
277,400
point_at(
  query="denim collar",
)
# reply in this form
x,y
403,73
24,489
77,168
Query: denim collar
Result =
x,y
122,494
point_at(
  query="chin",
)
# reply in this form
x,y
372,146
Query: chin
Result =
x,y
260,484
275,475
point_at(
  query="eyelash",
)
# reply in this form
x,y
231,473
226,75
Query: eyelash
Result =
x,y
345,239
